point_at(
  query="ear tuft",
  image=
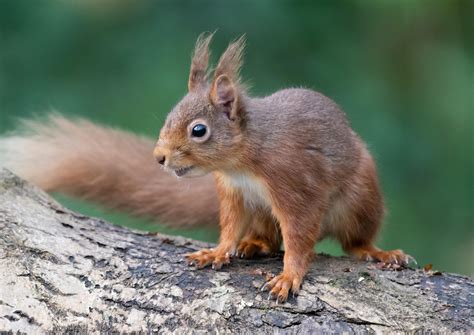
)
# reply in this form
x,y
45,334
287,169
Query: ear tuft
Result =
x,y
231,60
200,61
226,88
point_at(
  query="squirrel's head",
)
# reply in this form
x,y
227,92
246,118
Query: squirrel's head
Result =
x,y
203,132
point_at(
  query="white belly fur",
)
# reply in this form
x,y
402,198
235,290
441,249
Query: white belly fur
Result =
x,y
254,191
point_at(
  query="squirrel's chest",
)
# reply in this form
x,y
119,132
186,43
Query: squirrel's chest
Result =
x,y
253,190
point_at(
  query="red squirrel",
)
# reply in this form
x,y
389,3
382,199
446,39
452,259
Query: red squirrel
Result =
x,y
287,167
283,168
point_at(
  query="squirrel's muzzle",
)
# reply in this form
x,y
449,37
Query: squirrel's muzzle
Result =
x,y
161,159
159,155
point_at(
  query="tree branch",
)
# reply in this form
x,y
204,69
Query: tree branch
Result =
x,y
62,271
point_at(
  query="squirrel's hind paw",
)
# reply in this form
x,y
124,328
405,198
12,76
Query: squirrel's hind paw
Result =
x,y
253,247
371,253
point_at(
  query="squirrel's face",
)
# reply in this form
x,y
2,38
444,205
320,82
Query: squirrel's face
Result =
x,y
197,137
203,131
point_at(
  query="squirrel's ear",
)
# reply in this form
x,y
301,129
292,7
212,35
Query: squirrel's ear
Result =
x,y
226,88
200,60
231,60
223,96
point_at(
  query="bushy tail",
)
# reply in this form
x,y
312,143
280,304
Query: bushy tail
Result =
x,y
112,167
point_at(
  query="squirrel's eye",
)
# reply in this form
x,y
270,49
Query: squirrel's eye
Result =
x,y
199,130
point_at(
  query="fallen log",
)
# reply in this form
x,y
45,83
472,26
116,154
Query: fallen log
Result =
x,y
61,271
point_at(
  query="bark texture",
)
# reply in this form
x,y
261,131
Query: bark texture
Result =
x,y
61,271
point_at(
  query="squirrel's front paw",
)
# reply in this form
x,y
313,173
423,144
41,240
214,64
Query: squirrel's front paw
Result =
x,y
207,257
281,285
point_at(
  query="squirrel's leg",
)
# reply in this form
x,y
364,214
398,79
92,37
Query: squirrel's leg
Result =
x,y
300,228
357,239
299,237
234,221
263,236
355,217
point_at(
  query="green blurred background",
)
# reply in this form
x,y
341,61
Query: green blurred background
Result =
x,y
402,71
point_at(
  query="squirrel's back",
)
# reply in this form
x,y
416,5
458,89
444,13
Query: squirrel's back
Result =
x,y
305,122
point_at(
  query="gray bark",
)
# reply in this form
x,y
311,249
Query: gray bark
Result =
x,y
62,271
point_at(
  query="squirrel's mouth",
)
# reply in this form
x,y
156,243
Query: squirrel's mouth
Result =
x,y
182,171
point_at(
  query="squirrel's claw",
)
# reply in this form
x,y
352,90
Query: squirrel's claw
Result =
x,y
264,287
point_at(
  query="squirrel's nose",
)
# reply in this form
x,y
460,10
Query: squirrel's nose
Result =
x,y
161,159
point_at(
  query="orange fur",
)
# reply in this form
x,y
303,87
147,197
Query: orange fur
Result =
x,y
110,166
263,236
288,167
